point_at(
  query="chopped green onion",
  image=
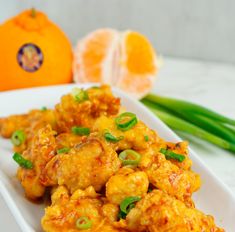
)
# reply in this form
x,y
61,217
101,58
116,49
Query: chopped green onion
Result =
x,y
80,130
44,108
63,150
83,223
146,138
126,121
95,87
171,155
128,203
80,95
129,157
24,163
182,125
18,137
110,138
121,215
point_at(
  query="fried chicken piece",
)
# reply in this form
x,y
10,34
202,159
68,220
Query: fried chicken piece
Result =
x,y
12,123
125,183
39,153
68,140
167,176
65,211
179,148
70,112
159,212
29,123
91,163
138,137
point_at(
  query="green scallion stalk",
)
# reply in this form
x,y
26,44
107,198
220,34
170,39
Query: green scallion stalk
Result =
x,y
24,163
146,138
80,130
18,137
211,126
44,108
181,105
129,157
63,150
182,125
126,121
111,138
172,155
80,95
83,223
127,204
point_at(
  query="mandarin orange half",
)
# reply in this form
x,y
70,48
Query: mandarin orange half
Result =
x,y
123,59
34,52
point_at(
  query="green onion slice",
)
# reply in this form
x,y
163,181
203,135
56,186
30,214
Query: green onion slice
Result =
x,y
121,215
83,223
146,138
171,155
80,95
129,157
80,130
44,108
128,203
18,137
111,138
126,121
63,150
24,163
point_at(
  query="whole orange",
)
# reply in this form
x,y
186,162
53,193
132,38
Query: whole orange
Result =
x,y
33,52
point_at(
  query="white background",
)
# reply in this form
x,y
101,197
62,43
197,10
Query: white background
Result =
x,y
187,28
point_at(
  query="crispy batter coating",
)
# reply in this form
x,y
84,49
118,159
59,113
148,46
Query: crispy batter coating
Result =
x,y
126,183
68,140
65,210
159,212
30,123
71,113
39,153
167,176
90,163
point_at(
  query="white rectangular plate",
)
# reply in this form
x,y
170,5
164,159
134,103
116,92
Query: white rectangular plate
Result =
x,y
213,198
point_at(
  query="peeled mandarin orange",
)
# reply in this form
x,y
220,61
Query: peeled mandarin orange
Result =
x,y
91,55
34,52
123,59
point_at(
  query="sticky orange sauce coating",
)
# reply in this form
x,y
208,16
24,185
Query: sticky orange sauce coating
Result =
x,y
87,179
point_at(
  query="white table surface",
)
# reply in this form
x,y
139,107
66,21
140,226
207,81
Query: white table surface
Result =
x,y
209,84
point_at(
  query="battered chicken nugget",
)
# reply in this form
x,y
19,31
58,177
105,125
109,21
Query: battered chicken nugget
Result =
x,y
39,153
29,123
74,112
91,163
159,212
138,137
83,210
167,176
125,183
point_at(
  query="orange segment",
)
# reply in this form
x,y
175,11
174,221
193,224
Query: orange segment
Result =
x,y
90,55
140,55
